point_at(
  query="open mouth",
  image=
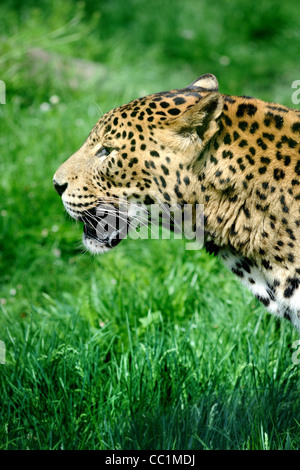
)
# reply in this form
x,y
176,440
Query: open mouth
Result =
x,y
109,239
102,232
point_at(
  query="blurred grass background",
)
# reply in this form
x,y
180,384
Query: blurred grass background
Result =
x,y
150,346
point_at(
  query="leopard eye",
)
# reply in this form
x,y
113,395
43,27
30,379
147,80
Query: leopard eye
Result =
x,y
103,152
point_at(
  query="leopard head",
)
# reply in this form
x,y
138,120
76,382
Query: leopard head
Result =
x,y
143,152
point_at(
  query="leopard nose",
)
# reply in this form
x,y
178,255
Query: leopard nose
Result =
x,y
60,188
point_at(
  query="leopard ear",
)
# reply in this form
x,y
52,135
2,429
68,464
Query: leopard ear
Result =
x,y
206,82
202,116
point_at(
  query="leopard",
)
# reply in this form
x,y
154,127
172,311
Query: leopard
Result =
x,y
237,156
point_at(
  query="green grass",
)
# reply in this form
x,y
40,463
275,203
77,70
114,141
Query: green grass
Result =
x,y
150,346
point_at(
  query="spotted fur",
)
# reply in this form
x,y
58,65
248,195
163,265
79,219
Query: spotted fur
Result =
x,y
239,156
